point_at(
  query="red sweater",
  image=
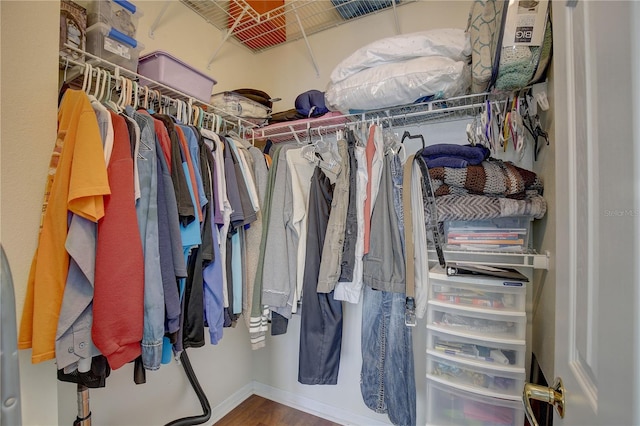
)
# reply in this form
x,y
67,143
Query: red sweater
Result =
x,y
118,301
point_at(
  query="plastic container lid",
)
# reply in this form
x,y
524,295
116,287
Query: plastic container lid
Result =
x,y
111,32
158,53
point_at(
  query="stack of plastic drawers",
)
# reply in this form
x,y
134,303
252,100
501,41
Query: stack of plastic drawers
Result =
x,y
476,350
112,32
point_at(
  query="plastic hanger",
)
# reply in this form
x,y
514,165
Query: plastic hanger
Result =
x,y
178,105
189,114
128,98
86,76
121,86
89,80
196,114
127,93
391,142
201,118
108,101
96,90
145,104
106,80
136,99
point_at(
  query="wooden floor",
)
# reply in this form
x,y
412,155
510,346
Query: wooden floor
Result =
x,y
258,411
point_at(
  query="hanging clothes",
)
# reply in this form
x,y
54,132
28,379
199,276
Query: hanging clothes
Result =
x,y
76,182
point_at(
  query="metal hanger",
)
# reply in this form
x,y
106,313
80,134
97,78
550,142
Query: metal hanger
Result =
x,y
408,135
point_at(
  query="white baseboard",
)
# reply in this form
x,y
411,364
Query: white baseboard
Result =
x,y
319,409
225,407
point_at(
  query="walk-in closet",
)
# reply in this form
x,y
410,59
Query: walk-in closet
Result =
x,y
498,281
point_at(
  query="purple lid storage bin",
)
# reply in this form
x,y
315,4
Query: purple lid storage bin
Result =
x,y
170,71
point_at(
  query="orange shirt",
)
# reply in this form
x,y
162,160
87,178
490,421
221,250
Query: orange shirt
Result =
x,y
76,182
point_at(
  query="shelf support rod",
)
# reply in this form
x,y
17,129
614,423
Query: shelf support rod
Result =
x,y
395,16
227,35
306,40
158,18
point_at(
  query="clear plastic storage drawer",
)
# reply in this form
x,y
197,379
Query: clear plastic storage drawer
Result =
x,y
486,381
448,407
477,323
113,46
510,234
487,293
477,351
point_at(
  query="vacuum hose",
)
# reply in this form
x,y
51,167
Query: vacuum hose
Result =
x,y
204,402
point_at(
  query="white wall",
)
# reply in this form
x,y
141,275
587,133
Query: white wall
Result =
x,y
28,130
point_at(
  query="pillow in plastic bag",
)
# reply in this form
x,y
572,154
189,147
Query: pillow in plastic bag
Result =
x,y
400,83
448,42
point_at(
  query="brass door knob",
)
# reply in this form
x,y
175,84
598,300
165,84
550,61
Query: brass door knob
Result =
x,y
553,395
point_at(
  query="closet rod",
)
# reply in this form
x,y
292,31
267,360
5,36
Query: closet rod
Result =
x,y
152,84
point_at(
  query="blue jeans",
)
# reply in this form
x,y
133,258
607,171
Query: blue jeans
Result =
x,y
387,378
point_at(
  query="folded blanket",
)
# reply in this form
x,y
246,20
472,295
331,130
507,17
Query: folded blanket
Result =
x,y
453,162
454,155
492,177
480,207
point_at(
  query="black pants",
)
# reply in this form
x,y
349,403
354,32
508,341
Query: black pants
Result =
x,y
321,317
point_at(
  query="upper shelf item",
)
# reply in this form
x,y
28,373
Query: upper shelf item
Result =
x,y
113,46
401,70
73,29
511,43
164,68
119,14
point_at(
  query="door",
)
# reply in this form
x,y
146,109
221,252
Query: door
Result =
x,y
596,78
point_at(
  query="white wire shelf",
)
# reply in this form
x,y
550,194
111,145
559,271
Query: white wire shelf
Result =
x,y
529,259
82,58
293,20
435,111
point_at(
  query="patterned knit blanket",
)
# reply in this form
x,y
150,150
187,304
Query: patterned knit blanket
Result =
x,y
493,177
481,207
